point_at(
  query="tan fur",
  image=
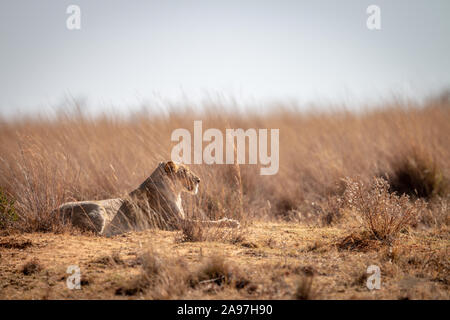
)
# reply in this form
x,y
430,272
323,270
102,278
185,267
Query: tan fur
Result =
x,y
155,203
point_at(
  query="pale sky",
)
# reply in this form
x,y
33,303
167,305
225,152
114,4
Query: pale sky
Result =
x,y
133,52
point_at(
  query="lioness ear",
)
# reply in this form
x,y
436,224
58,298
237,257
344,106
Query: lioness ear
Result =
x,y
170,167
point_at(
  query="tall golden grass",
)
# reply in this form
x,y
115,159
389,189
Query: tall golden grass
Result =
x,y
45,162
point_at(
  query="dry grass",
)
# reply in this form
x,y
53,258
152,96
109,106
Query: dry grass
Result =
x,y
193,232
383,214
31,267
8,213
417,175
216,270
169,278
159,278
44,163
305,290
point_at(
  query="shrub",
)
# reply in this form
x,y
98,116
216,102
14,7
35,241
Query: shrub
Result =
x,y
383,214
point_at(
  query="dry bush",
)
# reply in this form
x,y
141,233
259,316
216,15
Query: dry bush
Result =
x,y
160,278
383,214
45,162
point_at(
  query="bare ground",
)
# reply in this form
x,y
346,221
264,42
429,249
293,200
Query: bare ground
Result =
x,y
268,261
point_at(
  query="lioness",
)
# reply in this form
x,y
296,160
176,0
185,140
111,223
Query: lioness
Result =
x,y
155,203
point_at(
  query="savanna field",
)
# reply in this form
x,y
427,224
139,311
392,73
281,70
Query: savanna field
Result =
x,y
354,189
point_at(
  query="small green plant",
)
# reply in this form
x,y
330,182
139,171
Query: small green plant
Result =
x,y
8,213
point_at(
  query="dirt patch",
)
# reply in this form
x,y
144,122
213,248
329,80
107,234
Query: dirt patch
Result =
x,y
119,268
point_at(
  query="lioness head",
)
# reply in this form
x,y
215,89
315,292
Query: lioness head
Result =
x,y
182,176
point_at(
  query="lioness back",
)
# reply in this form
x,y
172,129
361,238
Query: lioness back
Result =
x,y
90,215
